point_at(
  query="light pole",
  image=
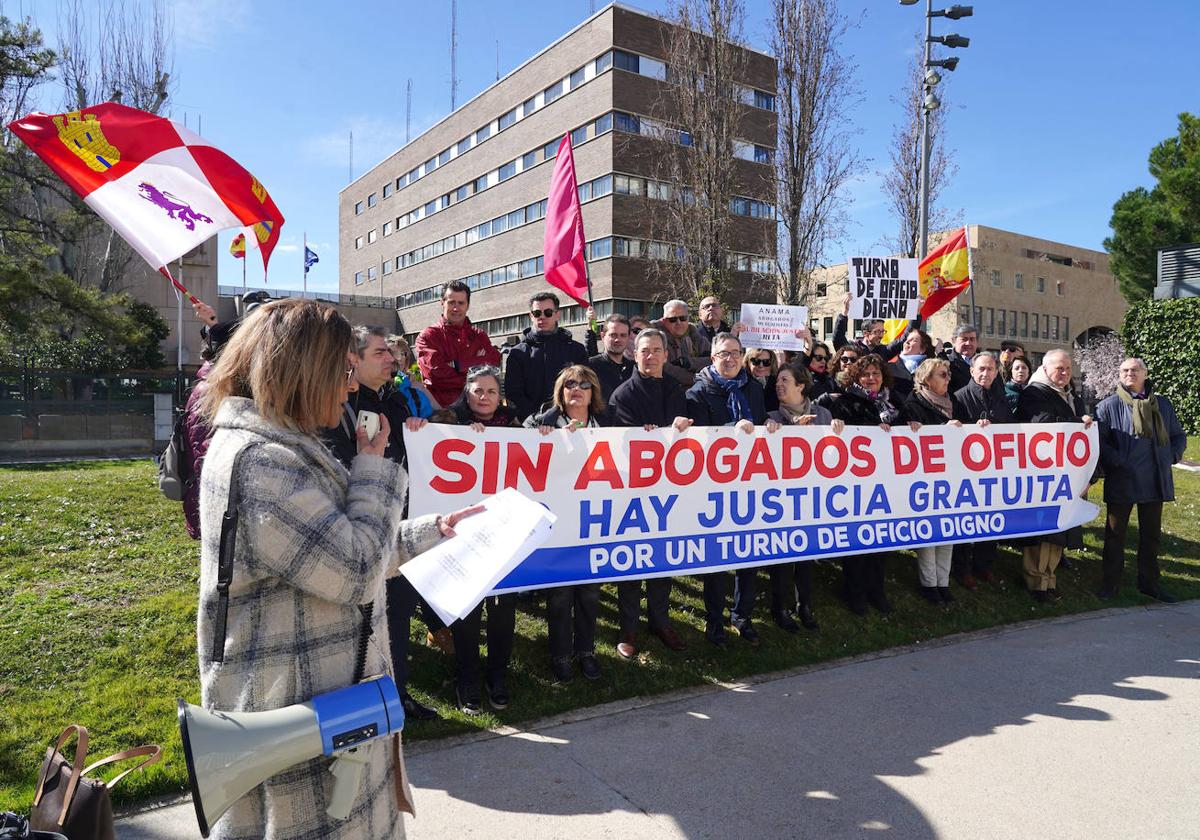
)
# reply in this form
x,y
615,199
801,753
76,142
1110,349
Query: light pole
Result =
x,y
930,79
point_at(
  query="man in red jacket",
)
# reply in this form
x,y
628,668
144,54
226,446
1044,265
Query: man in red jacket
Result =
x,y
451,347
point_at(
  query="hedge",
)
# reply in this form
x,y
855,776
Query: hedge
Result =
x,y
1166,334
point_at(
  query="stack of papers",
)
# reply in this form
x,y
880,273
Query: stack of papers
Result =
x,y
458,573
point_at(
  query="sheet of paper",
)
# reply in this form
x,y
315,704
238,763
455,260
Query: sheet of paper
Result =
x,y
456,574
771,326
884,288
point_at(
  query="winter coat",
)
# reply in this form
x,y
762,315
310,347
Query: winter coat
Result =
x,y
415,397
1012,393
1040,403
707,402
823,417
885,351
917,408
314,542
643,400
1137,469
552,415
610,373
446,352
534,364
822,383
712,332
686,356
960,371
856,410
196,436
974,404
902,381
342,440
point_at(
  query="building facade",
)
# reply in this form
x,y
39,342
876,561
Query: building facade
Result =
x,y
466,199
1039,293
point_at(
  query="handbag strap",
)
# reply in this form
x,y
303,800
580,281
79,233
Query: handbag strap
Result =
x,y
154,751
76,767
228,541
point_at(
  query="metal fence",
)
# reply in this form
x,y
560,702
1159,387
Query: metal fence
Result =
x,y
372,301
45,414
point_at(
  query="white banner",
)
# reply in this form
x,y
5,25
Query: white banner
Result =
x,y
771,326
633,504
884,288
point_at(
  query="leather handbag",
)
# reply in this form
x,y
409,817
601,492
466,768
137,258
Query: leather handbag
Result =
x,y
67,801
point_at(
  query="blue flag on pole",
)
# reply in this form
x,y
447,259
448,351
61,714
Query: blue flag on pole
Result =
x,y
310,258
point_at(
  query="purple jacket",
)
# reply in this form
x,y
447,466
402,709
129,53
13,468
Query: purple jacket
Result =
x,y
196,436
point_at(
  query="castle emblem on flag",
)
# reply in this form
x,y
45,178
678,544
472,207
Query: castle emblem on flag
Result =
x,y
262,230
256,187
176,207
81,134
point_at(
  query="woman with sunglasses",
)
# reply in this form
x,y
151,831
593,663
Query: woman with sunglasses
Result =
x,y
576,404
480,406
762,366
819,359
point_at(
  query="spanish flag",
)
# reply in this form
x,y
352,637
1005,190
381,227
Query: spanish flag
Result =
x,y
238,246
943,275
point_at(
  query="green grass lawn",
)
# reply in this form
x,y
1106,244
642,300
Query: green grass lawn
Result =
x,y
97,622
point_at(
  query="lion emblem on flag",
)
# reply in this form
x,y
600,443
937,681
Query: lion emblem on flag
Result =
x,y
176,207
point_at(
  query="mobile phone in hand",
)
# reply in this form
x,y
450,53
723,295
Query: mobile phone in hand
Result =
x,y
369,421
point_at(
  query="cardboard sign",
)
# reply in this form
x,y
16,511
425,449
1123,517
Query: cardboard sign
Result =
x,y
884,288
771,326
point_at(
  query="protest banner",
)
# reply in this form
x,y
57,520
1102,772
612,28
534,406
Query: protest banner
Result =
x,y
632,504
884,288
771,326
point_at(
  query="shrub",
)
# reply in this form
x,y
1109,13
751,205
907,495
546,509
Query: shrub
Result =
x,y
1166,335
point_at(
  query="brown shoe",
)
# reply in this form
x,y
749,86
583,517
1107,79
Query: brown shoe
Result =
x,y
670,638
627,647
443,640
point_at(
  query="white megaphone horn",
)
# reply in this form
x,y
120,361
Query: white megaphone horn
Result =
x,y
230,753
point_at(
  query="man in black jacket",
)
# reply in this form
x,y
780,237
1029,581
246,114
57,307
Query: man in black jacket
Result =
x,y
978,402
375,393
649,400
612,366
544,350
712,321
872,337
725,395
964,340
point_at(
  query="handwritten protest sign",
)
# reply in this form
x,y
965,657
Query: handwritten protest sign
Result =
x,y
884,288
771,326
633,504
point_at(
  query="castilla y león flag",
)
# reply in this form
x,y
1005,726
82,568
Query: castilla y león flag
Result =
x,y
163,188
945,273
566,265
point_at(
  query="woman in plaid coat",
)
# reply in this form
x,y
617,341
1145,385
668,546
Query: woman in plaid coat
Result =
x,y
313,543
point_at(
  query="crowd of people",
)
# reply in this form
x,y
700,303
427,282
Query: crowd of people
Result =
x,y
312,581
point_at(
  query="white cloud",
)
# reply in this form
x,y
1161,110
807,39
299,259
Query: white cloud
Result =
x,y
287,248
374,139
207,24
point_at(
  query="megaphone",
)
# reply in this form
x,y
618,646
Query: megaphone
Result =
x,y
230,753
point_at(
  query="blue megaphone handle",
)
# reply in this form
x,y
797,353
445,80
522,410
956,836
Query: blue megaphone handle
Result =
x,y
358,713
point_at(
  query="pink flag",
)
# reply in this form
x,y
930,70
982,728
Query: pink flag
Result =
x,y
566,267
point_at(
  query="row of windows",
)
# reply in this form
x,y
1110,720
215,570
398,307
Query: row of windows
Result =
x,y
631,62
572,314
597,249
1009,323
1019,283
628,123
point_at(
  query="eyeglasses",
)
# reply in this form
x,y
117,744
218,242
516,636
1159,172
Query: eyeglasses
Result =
x,y
727,354
582,385
543,313
675,319
761,362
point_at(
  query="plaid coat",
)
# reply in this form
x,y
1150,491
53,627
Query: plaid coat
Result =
x,y
314,541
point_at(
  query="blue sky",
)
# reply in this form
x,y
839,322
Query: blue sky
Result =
x,y
1054,105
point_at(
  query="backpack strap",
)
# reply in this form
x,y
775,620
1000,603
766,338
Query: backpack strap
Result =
x,y
229,525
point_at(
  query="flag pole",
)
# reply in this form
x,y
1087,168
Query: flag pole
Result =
x,y
179,324
970,276
304,263
244,258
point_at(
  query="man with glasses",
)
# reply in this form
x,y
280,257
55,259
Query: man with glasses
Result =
x,y
612,366
648,400
544,350
687,348
711,318
452,346
872,334
726,395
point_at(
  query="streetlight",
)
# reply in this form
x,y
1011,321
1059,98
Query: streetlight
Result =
x,y
930,102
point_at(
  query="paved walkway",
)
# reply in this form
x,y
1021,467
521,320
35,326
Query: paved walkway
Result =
x,y
1082,727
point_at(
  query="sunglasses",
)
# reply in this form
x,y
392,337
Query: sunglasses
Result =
x,y
819,358
543,313
675,319
582,385
761,362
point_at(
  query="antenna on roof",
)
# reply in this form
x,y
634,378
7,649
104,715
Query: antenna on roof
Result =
x,y
497,59
453,54
408,113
